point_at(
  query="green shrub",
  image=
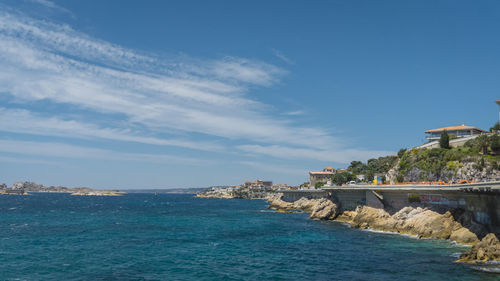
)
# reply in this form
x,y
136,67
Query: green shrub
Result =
x,y
413,198
319,185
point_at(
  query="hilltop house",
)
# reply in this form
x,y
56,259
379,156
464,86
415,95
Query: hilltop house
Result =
x,y
461,131
459,136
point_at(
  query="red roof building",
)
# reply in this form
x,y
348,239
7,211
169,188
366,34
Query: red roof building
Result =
x,y
458,131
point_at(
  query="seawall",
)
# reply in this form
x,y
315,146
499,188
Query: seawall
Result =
x,y
473,205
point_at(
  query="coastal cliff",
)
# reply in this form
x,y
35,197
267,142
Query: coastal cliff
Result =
x,y
415,221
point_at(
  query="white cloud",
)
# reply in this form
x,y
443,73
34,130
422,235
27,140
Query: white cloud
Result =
x,y
23,121
210,102
62,150
27,161
43,61
282,57
52,5
295,113
333,154
274,168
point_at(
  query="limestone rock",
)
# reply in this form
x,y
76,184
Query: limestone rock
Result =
x,y
429,224
368,217
487,249
464,236
324,209
346,216
420,222
306,205
279,204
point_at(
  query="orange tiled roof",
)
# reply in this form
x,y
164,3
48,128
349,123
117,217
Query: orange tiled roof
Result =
x,y
454,128
328,168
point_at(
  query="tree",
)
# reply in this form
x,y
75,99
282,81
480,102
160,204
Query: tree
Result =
x,y
401,152
356,167
444,141
341,178
495,127
495,143
483,142
369,176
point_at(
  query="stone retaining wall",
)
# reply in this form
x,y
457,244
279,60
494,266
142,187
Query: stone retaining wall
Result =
x,y
484,206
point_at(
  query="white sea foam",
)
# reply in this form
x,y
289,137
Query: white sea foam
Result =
x,y
391,233
490,269
455,243
455,255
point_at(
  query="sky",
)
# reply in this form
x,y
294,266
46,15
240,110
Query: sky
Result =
x,y
169,94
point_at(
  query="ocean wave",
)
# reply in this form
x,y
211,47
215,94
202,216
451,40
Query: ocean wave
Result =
x,y
489,269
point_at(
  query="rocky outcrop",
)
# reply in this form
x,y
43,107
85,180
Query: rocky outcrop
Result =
x,y
278,204
419,222
452,171
487,249
85,191
323,209
464,236
306,205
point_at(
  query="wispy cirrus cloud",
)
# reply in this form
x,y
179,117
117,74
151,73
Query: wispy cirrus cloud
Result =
x,y
342,156
63,150
282,56
295,113
38,60
24,121
47,63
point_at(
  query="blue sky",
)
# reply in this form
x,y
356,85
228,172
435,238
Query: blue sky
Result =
x,y
159,94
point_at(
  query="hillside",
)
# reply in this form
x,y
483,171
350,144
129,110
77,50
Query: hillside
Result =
x,y
477,160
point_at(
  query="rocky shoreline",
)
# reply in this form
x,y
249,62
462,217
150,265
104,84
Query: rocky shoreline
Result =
x,y
415,221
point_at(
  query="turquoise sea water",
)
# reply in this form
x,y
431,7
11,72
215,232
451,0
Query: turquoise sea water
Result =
x,y
178,237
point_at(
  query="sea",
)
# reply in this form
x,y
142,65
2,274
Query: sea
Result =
x,y
143,236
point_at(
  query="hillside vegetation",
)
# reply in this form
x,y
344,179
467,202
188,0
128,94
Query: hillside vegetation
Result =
x,y
477,160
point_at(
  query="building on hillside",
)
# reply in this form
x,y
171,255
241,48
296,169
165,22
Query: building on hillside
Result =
x,y
329,169
461,131
259,185
341,171
325,176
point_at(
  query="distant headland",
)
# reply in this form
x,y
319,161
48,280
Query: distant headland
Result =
x,y
25,188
